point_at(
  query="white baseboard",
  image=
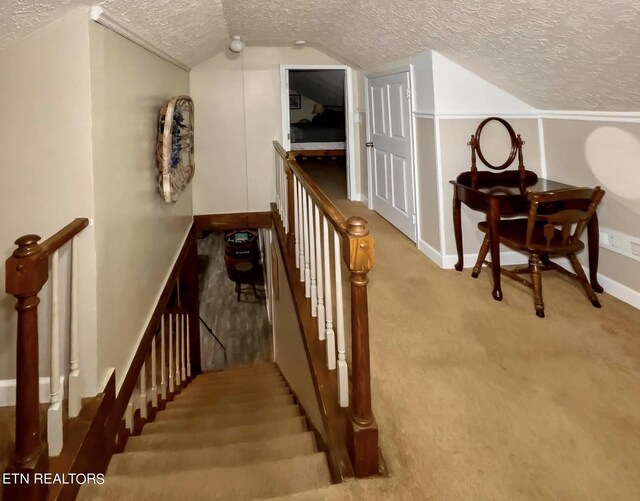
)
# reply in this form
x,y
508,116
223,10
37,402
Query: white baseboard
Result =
x,y
359,197
430,252
8,391
611,287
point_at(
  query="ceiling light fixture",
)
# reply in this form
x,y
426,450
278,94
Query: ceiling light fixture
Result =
x,y
300,43
236,44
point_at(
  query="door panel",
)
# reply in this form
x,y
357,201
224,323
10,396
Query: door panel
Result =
x,y
399,176
391,157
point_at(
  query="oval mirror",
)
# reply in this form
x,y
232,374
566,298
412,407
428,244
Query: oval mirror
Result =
x,y
497,145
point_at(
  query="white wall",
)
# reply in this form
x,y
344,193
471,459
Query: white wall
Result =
x,y
238,115
138,235
45,160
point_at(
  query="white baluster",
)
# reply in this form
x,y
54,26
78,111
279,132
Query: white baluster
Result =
x,y
296,219
320,291
177,377
163,361
329,334
75,383
143,391
54,413
285,197
172,386
128,417
188,350
278,191
312,257
305,224
343,376
301,229
154,375
183,369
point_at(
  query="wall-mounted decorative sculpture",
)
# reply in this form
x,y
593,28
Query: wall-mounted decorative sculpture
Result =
x,y
175,147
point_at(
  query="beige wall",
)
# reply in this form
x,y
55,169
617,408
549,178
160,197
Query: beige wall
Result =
x,y
456,158
238,115
45,160
565,142
289,350
138,235
427,182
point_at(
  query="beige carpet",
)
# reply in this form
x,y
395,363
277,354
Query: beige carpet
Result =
x,y
230,435
478,399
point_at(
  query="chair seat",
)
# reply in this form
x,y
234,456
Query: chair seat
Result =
x,y
513,233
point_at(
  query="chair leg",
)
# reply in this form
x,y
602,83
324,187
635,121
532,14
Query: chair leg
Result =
x,y
482,254
577,267
536,278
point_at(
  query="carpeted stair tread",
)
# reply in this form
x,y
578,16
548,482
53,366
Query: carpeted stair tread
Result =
x,y
237,385
187,439
238,454
225,391
207,423
255,481
234,413
257,401
233,435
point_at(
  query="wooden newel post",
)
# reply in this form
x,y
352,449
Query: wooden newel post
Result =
x,y
26,272
290,204
362,430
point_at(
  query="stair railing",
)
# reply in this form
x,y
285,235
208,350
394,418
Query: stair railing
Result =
x,y
318,236
29,268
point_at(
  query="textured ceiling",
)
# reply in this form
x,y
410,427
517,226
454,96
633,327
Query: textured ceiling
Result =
x,y
572,54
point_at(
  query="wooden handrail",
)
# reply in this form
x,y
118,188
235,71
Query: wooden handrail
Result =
x,y
27,270
328,208
61,237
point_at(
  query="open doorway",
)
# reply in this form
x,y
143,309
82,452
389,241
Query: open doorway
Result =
x,y
317,123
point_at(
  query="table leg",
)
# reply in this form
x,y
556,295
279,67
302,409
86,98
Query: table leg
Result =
x,y
593,237
493,218
457,229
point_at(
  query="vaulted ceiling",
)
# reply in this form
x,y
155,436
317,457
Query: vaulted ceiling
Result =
x,y
568,54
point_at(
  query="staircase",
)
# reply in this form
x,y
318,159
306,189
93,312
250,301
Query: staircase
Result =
x,y
235,435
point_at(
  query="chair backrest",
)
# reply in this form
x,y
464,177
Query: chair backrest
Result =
x,y
568,211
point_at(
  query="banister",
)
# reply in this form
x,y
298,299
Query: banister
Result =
x,y
356,246
27,270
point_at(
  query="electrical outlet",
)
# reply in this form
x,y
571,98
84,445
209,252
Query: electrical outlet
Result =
x,y
621,243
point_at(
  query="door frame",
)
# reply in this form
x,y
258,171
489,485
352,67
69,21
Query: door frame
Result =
x,y
414,153
353,192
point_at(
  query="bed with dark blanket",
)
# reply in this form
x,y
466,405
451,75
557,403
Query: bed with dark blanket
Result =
x,y
326,130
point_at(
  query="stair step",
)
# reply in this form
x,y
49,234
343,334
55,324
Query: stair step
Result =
x,y
223,403
232,389
208,398
238,454
260,382
206,423
233,407
187,439
242,372
190,413
276,478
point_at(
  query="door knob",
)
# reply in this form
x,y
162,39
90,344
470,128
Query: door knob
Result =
x,y
369,145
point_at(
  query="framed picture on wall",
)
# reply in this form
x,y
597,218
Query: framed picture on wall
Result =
x,y
294,102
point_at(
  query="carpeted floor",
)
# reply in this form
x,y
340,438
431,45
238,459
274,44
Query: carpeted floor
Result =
x,y
478,399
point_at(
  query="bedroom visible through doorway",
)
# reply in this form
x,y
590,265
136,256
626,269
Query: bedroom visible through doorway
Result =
x,y
316,115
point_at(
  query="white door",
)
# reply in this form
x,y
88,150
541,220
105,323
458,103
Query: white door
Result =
x,y
391,151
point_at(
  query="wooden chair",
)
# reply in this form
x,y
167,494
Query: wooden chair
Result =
x,y
553,227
